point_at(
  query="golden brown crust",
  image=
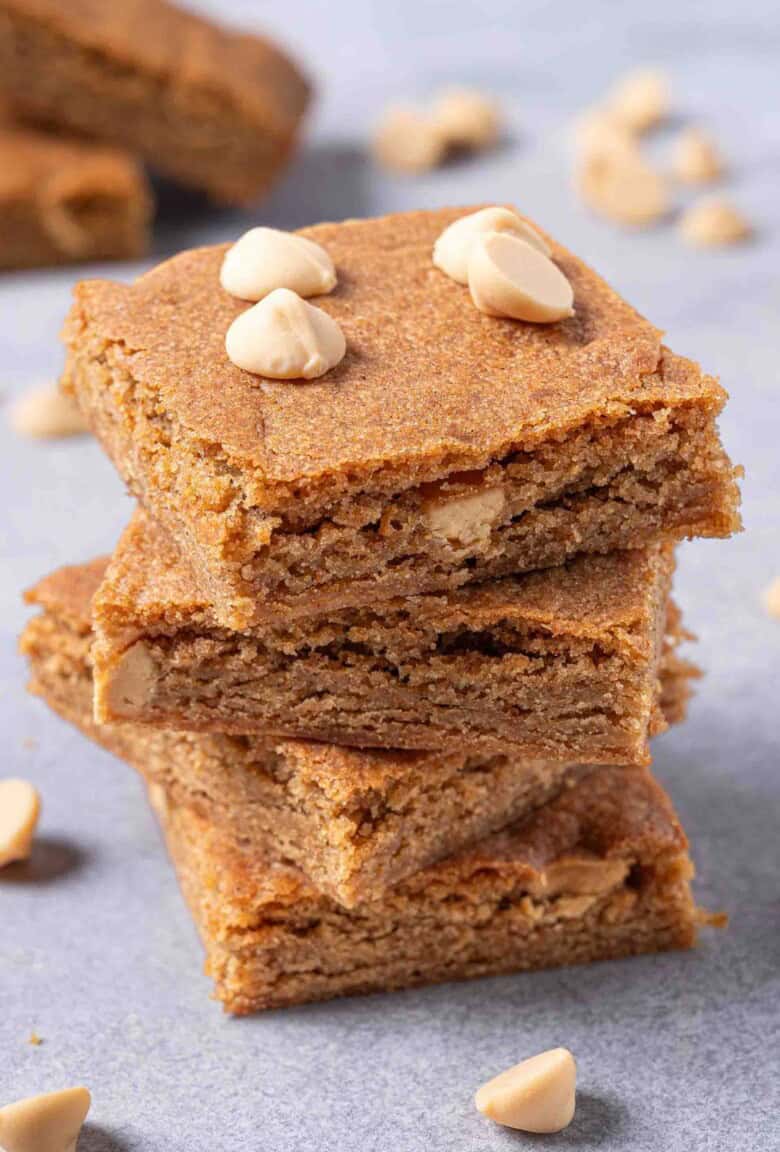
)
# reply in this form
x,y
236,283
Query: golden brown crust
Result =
x,y
427,378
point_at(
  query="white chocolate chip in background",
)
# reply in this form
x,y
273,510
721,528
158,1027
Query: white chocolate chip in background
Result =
x,y
413,139
714,222
45,413
696,158
617,177
467,118
621,186
640,100
51,1122
772,599
407,140
283,337
538,1095
266,258
20,809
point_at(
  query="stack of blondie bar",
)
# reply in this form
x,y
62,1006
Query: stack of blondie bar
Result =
x,y
389,645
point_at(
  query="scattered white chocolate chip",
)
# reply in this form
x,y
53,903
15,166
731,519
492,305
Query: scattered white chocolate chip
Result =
x,y
714,223
49,1123
285,338
467,118
695,159
508,277
772,599
464,520
537,1095
265,258
20,807
596,133
622,186
640,100
408,140
46,413
451,250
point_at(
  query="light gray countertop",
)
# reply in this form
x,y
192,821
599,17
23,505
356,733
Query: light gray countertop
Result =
x,y
97,952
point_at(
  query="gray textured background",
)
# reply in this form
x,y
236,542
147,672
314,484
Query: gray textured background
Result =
x,y
97,952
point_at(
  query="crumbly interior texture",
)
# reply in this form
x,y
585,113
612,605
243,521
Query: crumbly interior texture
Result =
x,y
602,871
210,108
294,499
354,821
63,200
556,665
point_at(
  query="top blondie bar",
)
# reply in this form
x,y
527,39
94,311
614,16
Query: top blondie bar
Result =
x,y
447,446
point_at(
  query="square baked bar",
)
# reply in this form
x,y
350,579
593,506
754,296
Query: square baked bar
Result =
x,y
447,447
559,665
215,109
602,871
64,200
355,822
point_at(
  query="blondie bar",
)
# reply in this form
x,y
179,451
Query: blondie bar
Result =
x,y
211,108
447,446
64,200
560,664
602,871
354,821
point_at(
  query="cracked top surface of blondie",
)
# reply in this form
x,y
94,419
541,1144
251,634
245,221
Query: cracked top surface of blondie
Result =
x,y
427,380
181,49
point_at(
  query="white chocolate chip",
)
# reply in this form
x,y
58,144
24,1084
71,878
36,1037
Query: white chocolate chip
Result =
x,y
20,807
537,1095
285,338
265,258
714,223
467,118
508,277
695,159
48,1123
408,140
640,100
451,250
132,681
45,413
622,186
596,133
772,599
464,520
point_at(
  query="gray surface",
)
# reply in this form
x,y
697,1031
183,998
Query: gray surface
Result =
x,y
96,949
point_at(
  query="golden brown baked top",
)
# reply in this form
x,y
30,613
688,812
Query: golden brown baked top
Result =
x,y
608,813
427,379
244,72
612,598
43,166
